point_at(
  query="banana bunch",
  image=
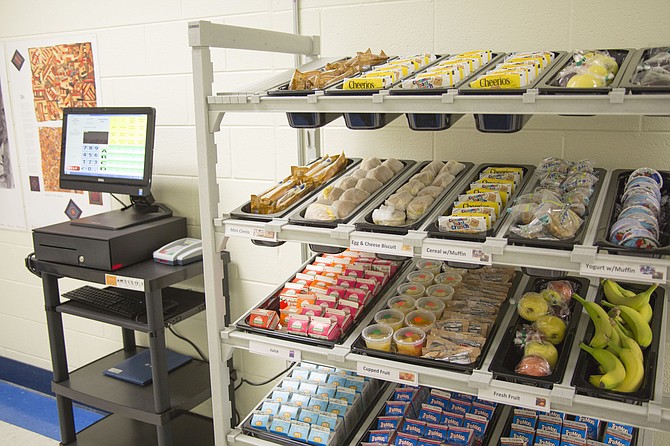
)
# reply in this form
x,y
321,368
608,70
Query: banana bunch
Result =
x,y
619,337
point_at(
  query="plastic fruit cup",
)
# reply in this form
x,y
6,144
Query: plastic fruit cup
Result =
x,y
449,278
415,290
378,337
434,266
403,303
392,318
421,319
409,341
423,277
440,291
432,304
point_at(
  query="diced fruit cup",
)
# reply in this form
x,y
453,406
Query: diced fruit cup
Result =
x,y
378,337
402,303
440,291
449,278
415,290
409,341
432,304
392,318
421,319
423,277
434,266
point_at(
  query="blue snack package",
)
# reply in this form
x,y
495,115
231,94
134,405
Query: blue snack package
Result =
x,y
381,436
573,430
328,420
389,423
460,406
617,438
592,425
436,432
430,414
618,427
404,394
260,420
318,403
477,423
525,417
452,419
414,427
522,431
300,399
299,430
280,426
429,442
396,408
308,416
337,379
271,407
403,439
326,390
483,410
319,436
547,438
550,423
460,436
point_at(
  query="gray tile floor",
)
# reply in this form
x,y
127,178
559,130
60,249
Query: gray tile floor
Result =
x,y
16,436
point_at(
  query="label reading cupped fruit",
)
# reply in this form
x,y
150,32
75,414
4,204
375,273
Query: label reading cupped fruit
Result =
x,y
392,247
249,232
625,271
515,398
470,253
388,373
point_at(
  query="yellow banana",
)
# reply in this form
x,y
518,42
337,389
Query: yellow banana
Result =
x,y
614,293
634,320
628,342
615,338
615,372
634,370
625,330
646,311
601,321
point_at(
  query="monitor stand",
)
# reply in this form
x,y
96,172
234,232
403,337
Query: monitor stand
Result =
x,y
142,210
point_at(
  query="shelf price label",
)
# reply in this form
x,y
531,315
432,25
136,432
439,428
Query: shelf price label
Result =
x,y
394,247
516,398
250,232
388,373
636,270
275,351
455,252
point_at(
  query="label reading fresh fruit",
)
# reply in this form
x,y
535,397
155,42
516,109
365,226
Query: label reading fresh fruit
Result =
x,y
516,398
613,269
458,252
389,246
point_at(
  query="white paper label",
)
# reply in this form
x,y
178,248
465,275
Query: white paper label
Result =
x,y
249,232
127,283
392,247
276,351
515,398
466,253
612,269
388,374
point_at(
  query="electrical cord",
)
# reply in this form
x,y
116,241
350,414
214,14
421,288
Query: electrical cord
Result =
x,y
30,258
183,338
267,381
119,200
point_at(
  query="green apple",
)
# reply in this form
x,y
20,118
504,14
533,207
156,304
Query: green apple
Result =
x,y
531,306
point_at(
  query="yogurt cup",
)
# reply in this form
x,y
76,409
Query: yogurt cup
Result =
x,y
440,291
432,304
409,341
378,337
434,266
421,319
411,289
423,277
449,278
405,304
391,317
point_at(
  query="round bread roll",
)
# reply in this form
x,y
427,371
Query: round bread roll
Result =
x,y
426,177
331,193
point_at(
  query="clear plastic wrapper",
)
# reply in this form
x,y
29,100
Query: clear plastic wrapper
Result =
x,y
388,216
579,180
533,365
655,70
412,187
336,71
400,200
418,206
553,164
552,179
523,213
443,180
393,164
426,177
355,195
381,173
369,185
433,191
589,69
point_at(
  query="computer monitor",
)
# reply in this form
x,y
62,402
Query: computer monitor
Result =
x,y
110,149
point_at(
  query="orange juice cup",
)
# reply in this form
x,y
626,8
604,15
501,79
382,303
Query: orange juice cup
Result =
x,y
378,337
409,341
420,319
392,318
402,303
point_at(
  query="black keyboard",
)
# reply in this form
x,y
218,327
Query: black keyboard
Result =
x,y
108,300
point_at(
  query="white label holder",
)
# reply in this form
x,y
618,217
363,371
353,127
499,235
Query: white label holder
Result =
x,y
235,230
388,373
275,351
620,269
387,245
455,251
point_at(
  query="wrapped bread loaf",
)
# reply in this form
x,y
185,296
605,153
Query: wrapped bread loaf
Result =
x,y
434,166
336,71
331,193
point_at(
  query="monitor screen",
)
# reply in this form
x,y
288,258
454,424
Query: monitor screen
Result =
x,y
108,149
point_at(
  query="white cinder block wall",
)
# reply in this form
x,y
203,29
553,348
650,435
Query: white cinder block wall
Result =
x,y
144,59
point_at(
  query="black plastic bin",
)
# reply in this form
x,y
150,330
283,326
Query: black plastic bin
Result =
x,y
636,64
508,355
612,208
587,366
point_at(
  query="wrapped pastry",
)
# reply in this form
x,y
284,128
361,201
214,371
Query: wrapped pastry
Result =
x,y
331,193
335,72
433,191
347,183
434,166
443,180
355,195
322,212
359,173
370,163
381,173
393,164
426,177
418,206
453,167
399,200
370,185
412,186
343,208
388,216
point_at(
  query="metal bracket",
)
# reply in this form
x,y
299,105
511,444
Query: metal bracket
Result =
x,y
654,412
338,354
414,238
448,97
378,98
342,232
583,254
480,379
617,95
275,225
530,96
314,98
561,394
495,246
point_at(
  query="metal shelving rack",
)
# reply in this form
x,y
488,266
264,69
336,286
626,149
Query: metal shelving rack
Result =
x,y
225,338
